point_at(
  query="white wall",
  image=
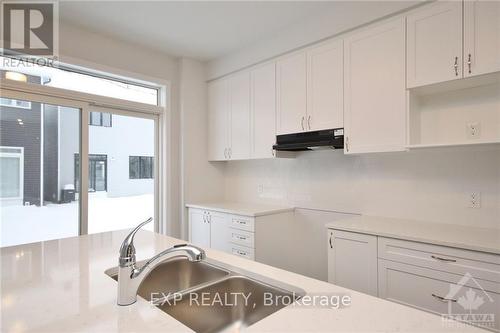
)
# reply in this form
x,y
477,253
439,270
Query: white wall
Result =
x,y
99,52
342,17
201,180
431,185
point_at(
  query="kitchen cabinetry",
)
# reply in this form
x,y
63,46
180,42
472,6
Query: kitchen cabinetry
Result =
x,y
229,117
426,276
291,77
263,110
352,261
199,228
310,89
218,119
241,235
325,99
481,37
239,131
435,43
374,85
444,45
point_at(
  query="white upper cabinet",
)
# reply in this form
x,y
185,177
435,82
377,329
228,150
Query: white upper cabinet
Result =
x,y
481,37
218,120
291,93
374,85
435,44
239,134
325,100
263,110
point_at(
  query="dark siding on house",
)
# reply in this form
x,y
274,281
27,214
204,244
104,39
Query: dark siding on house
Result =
x,y
50,153
27,136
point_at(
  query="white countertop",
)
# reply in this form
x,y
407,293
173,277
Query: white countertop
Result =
x,y
239,208
60,286
471,238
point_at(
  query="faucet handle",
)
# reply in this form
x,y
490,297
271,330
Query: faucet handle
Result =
x,y
127,249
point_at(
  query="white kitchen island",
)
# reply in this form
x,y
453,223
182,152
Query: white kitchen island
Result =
x,y
60,286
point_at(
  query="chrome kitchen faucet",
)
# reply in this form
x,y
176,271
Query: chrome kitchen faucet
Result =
x,y
130,276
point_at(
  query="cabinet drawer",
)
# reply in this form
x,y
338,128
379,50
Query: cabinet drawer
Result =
x,y
427,290
243,251
458,261
242,237
243,223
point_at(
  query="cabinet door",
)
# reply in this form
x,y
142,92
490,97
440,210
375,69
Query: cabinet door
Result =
x,y
481,37
352,261
291,93
435,44
219,231
218,129
239,136
375,94
325,87
199,228
263,110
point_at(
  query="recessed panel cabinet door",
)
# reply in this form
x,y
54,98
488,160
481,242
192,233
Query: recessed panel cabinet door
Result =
x,y
199,228
291,93
374,86
481,37
263,110
220,232
435,44
239,134
325,99
218,113
352,261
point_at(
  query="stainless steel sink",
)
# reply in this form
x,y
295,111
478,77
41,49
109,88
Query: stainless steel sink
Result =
x,y
175,275
214,297
229,305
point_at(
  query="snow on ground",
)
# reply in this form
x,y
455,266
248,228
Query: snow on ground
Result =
x,y
27,224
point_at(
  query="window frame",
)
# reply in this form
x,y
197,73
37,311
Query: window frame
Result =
x,y
87,103
20,156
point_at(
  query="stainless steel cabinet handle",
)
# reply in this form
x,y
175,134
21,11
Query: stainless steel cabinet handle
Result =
x,y
302,123
443,299
225,153
330,241
230,152
347,143
456,66
309,122
469,63
443,259
204,217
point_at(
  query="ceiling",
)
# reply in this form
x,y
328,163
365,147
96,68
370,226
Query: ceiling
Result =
x,y
203,30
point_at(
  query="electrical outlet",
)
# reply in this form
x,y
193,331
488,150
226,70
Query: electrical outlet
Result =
x,y
475,200
473,130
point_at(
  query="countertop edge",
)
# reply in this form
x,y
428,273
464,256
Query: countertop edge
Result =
x,y
258,213
458,244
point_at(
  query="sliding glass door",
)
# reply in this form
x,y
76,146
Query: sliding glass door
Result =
x,y
122,155
38,199
47,192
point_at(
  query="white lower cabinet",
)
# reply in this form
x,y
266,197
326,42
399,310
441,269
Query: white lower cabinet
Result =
x,y
457,283
352,261
457,296
199,228
222,231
